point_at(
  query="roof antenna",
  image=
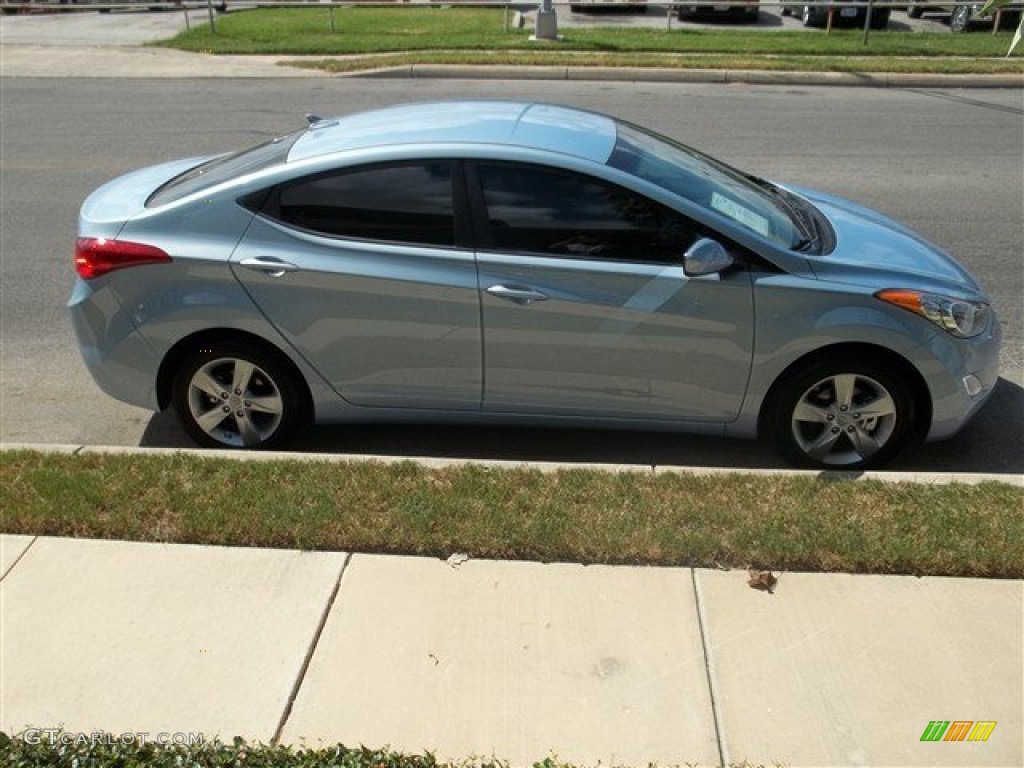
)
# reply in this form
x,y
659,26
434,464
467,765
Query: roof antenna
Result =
x,y
313,119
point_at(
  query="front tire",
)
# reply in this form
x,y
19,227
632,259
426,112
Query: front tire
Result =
x,y
842,415
238,396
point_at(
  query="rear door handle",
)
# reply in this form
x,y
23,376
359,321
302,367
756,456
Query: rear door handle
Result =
x,y
269,265
517,294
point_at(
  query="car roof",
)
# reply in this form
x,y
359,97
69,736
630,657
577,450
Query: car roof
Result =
x,y
546,127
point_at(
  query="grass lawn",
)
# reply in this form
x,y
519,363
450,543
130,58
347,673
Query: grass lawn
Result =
x,y
449,34
588,516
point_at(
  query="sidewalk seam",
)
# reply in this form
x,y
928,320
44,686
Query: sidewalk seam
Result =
x,y
301,677
19,558
723,749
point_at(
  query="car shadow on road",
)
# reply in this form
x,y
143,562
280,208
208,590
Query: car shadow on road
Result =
x,y
993,442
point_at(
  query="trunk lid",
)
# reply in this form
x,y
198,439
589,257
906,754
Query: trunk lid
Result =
x,y
105,212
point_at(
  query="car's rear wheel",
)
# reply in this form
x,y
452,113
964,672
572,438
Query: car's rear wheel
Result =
x,y
238,396
808,17
960,19
842,414
915,10
880,18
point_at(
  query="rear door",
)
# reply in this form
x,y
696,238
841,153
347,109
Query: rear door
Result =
x,y
359,269
586,310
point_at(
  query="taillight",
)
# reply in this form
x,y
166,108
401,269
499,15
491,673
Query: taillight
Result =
x,y
95,256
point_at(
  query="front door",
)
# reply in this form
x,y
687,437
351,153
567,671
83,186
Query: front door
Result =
x,y
586,310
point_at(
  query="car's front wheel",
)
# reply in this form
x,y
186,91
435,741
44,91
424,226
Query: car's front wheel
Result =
x,y
842,415
238,396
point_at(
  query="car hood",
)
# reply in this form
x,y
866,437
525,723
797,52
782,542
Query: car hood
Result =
x,y
874,250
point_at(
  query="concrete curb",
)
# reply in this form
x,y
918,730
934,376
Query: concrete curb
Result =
x,y
925,478
701,76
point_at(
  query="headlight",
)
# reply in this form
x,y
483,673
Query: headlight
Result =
x,y
958,317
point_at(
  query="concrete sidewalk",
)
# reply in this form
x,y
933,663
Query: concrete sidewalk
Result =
x,y
618,665
133,62
110,45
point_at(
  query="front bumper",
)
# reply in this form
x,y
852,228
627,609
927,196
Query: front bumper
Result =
x,y
965,377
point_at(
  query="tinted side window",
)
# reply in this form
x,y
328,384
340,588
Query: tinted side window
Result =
x,y
395,203
549,211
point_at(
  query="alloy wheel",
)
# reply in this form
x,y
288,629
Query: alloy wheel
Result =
x,y
235,402
844,420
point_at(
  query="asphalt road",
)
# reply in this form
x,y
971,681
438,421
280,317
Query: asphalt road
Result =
x,y
948,163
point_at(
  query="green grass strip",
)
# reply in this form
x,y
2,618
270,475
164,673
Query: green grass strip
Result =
x,y
83,751
105,751
588,516
304,31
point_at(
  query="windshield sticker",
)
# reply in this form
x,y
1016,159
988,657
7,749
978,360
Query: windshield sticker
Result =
x,y
739,213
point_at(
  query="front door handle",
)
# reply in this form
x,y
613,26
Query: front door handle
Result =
x,y
269,265
517,294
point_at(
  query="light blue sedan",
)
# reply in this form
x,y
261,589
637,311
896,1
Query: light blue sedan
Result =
x,y
500,263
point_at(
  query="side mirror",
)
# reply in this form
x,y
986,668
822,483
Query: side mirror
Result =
x,y
706,257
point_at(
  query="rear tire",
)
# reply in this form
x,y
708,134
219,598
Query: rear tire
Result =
x,y
960,19
914,11
236,395
842,414
880,18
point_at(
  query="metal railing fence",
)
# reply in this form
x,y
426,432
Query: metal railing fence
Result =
x,y
835,7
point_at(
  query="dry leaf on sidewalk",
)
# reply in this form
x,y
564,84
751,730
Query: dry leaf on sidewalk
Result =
x,y
457,559
763,580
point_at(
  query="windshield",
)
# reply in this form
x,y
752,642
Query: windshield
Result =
x,y
224,168
707,183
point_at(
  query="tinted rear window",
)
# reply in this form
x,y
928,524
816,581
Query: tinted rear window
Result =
x,y
402,203
225,168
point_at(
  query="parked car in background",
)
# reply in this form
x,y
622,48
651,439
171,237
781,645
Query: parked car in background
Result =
x,y
844,14
746,13
521,263
964,16
609,6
